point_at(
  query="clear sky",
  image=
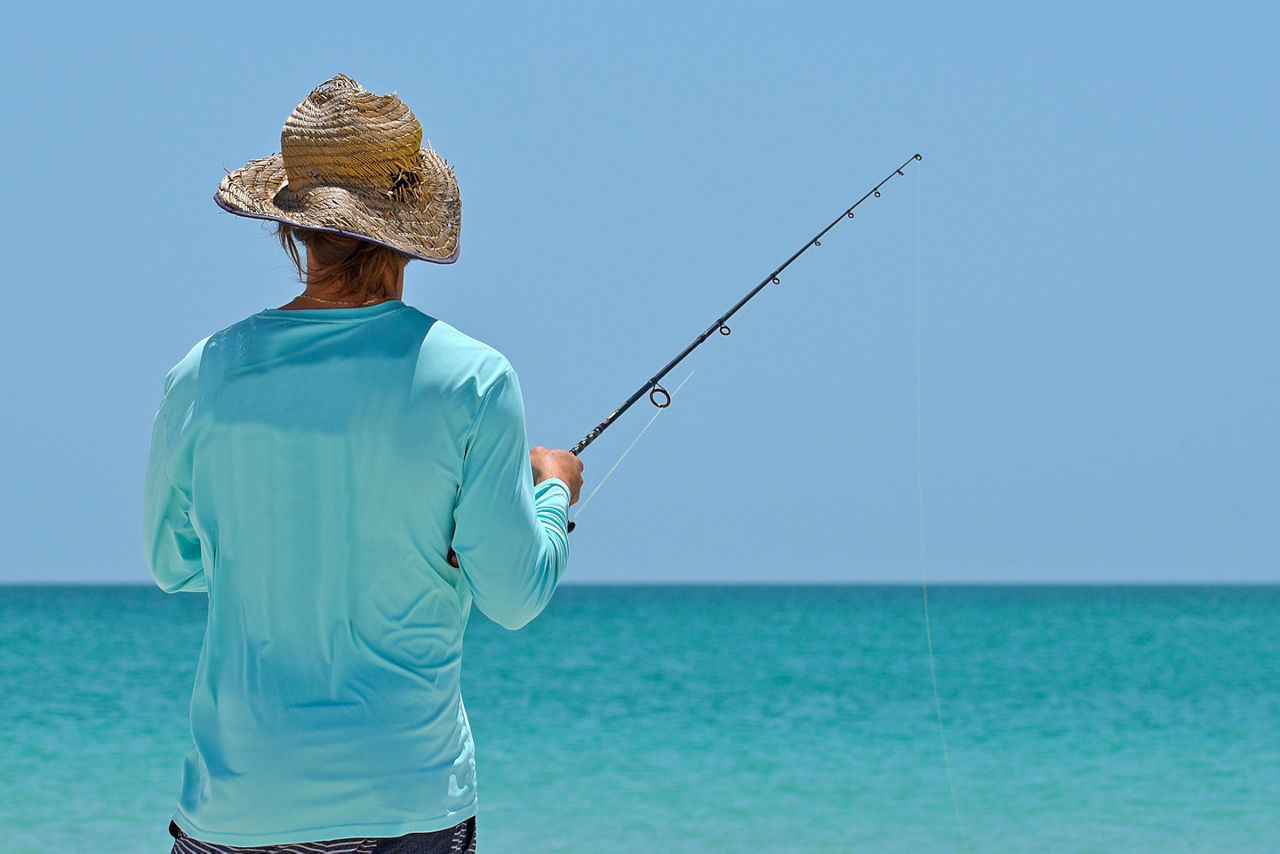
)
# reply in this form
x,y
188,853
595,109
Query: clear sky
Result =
x,y
1094,225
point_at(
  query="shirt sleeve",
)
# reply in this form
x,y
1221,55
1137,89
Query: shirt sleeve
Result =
x,y
169,539
510,537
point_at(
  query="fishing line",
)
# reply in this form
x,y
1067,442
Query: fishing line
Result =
x,y
924,579
587,500
661,399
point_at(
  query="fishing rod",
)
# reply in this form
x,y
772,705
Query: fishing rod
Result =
x,y
659,396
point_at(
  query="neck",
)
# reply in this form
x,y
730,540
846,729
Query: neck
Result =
x,y
330,294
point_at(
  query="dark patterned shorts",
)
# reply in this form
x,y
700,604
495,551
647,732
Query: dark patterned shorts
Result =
x,y
459,839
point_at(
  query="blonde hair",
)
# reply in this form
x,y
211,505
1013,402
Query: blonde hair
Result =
x,y
359,269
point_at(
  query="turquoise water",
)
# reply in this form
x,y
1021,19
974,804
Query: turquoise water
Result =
x,y
735,719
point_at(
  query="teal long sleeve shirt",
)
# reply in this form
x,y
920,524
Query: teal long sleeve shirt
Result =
x,y
310,470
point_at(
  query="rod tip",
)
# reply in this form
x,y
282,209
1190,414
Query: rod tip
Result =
x,y
918,157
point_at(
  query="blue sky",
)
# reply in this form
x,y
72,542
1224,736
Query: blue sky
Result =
x,y
1093,224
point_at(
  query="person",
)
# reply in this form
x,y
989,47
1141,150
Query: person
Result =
x,y
344,476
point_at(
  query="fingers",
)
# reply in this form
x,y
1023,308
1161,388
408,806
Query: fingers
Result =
x,y
558,464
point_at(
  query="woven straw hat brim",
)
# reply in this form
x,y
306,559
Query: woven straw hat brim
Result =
x,y
426,225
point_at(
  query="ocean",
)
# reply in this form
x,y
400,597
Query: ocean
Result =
x,y
731,719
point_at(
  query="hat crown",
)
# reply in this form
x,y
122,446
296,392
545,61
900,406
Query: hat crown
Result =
x,y
352,163
344,135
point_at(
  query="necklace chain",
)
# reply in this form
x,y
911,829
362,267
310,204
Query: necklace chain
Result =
x,y
337,302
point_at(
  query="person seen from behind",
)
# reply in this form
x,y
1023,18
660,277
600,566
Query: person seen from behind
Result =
x,y
344,476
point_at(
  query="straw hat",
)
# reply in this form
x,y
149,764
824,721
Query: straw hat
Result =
x,y
353,163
